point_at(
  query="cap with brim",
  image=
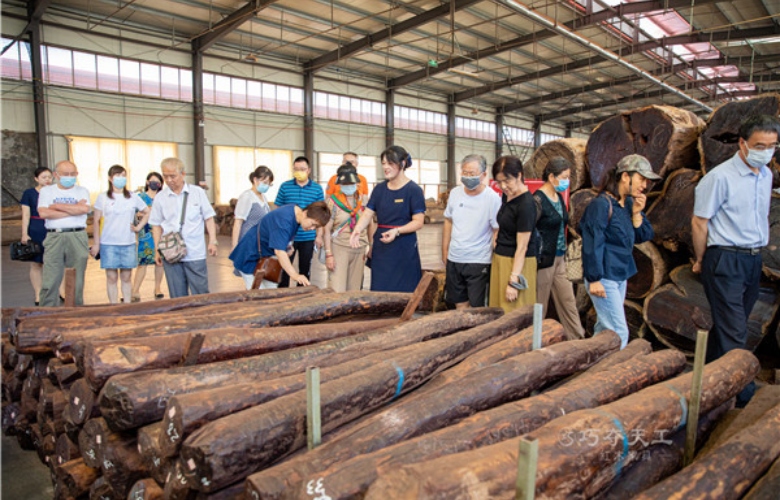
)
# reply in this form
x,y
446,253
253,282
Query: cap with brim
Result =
x,y
347,178
638,164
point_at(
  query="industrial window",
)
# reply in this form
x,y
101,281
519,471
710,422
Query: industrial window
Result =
x,y
519,136
475,129
330,162
420,120
544,137
232,166
347,109
10,62
94,156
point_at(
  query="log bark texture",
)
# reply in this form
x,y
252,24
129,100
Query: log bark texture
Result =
x,y
665,135
767,487
188,412
352,478
229,449
720,140
121,463
146,489
100,360
134,399
579,453
149,448
90,439
659,461
676,311
314,307
671,213
770,254
73,479
730,469
418,414
571,149
65,450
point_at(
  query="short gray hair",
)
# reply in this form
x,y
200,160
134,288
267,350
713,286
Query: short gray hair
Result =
x,y
479,159
173,162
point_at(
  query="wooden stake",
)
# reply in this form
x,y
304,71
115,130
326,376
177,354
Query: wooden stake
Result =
x,y
192,349
526,469
694,403
313,419
70,287
417,296
537,338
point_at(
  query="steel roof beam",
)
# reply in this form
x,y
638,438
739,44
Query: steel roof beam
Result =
x,y
716,36
206,40
398,28
588,20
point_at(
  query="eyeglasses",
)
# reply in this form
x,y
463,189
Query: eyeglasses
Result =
x,y
761,147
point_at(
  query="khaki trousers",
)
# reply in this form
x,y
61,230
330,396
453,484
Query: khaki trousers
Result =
x,y
348,274
552,280
63,250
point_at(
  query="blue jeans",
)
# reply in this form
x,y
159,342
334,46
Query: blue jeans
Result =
x,y
610,314
186,278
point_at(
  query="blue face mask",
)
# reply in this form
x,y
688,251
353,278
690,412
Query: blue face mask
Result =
x,y
563,185
67,182
349,189
470,182
119,182
262,187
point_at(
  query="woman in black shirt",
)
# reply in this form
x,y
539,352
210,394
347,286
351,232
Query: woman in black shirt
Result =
x,y
513,271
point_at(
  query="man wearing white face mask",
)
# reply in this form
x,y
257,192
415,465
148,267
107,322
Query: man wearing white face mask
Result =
x,y
467,240
730,226
64,206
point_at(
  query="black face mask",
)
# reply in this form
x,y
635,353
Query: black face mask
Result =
x,y
155,186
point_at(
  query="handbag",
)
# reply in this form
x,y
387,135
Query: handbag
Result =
x,y
269,269
25,251
171,245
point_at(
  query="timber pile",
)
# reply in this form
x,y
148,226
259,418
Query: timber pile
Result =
x,y
55,364
681,148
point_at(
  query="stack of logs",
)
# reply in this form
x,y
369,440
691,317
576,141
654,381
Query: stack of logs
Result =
x,y
665,299
204,397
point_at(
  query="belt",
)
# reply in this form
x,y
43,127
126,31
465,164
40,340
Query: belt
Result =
x,y
748,251
66,230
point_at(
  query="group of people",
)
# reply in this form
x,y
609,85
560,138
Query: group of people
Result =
x,y
505,250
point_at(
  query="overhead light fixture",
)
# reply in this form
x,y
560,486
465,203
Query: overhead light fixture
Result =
x,y
474,111
463,72
251,57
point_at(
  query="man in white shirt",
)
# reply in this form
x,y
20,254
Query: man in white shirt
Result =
x,y
64,205
190,275
469,229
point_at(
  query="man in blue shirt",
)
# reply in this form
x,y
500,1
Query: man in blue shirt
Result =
x,y
302,191
730,226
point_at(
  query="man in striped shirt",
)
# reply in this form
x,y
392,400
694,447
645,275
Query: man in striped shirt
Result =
x,y
301,191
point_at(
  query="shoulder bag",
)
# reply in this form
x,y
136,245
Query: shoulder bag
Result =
x,y
171,245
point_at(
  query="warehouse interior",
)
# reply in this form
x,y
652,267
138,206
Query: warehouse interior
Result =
x,y
226,85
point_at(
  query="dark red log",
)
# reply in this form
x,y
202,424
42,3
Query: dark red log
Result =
x,y
659,460
581,452
121,463
571,149
425,412
91,438
770,254
10,414
671,213
65,450
101,490
99,360
83,402
676,311
23,433
226,450
134,399
578,202
720,140
767,487
730,469
74,478
178,486
188,412
149,438
145,489
352,478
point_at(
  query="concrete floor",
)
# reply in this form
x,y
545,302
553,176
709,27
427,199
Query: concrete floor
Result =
x,y
23,476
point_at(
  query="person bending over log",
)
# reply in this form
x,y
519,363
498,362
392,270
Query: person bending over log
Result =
x,y
277,231
730,225
552,225
612,223
513,270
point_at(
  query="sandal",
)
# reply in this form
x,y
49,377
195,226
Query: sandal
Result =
x,y
159,296
136,298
